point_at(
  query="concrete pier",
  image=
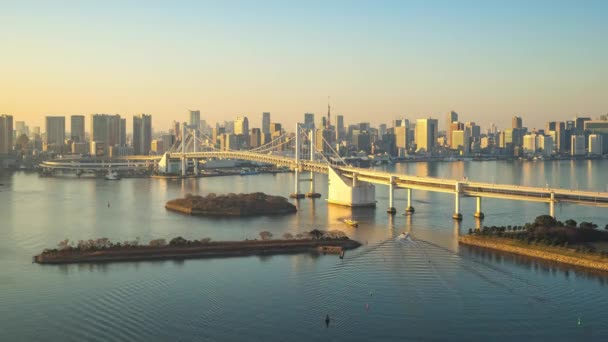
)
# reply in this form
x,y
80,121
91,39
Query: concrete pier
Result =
x,y
457,215
409,210
479,214
391,194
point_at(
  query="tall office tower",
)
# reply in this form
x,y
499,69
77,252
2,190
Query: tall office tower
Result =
x,y
475,130
6,134
493,129
516,122
580,124
381,130
456,126
142,134
106,131
255,138
426,134
328,123
340,130
451,117
560,137
545,143
461,140
55,133
241,126
596,145
195,119
577,145
550,126
20,129
275,130
401,138
309,120
266,122
77,128
175,130
122,137
529,143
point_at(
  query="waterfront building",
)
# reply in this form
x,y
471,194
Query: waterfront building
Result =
x,y
106,129
157,147
596,144
168,140
21,129
6,134
401,137
546,144
577,145
55,133
452,116
426,135
529,143
599,127
142,134
77,128
80,147
461,141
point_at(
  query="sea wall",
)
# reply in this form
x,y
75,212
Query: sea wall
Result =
x,y
531,251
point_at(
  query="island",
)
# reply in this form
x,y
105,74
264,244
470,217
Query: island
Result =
x,y
103,250
548,239
252,204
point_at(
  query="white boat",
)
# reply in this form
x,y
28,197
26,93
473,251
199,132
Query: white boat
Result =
x,y
404,237
112,175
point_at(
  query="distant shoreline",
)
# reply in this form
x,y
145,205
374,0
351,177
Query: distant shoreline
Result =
x,y
556,254
207,250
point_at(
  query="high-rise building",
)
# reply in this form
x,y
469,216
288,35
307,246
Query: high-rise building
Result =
x,y
579,124
275,129
362,141
451,117
77,128
529,143
55,133
461,140
106,130
577,145
545,143
195,119
309,120
122,136
516,122
142,134
426,134
255,138
401,139
20,129
596,145
475,130
340,131
599,127
6,134
266,122
241,126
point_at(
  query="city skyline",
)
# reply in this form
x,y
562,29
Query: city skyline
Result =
x,y
488,62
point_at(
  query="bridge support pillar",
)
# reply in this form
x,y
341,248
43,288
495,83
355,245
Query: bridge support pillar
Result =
x,y
457,215
479,214
391,193
552,205
409,210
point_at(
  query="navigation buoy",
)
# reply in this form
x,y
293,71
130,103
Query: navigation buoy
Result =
x,y
108,204
578,322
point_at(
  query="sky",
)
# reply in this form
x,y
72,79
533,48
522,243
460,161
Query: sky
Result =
x,y
378,60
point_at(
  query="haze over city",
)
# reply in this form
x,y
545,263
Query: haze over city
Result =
x,y
345,170
543,60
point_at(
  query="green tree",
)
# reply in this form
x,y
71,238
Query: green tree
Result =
x,y
315,234
545,221
265,235
287,236
570,223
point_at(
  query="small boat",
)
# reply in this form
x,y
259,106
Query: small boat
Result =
x,y
247,171
112,175
404,237
351,223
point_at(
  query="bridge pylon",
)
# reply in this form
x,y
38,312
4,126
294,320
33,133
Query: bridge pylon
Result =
x,y
312,193
297,194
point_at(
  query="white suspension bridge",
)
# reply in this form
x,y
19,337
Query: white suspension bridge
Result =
x,y
347,185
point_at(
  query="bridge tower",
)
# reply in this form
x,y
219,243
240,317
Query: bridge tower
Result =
x,y
184,161
313,148
297,193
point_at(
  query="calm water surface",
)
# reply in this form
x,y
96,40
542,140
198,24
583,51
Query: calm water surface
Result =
x,y
427,290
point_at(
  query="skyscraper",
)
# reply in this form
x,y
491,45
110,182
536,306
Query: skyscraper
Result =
x,y
340,131
142,134
266,122
241,126
106,130
451,117
77,128
309,120
516,122
55,133
426,134
195,119
6,134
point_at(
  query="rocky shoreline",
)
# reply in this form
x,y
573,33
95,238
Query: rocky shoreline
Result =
x,y
231,205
